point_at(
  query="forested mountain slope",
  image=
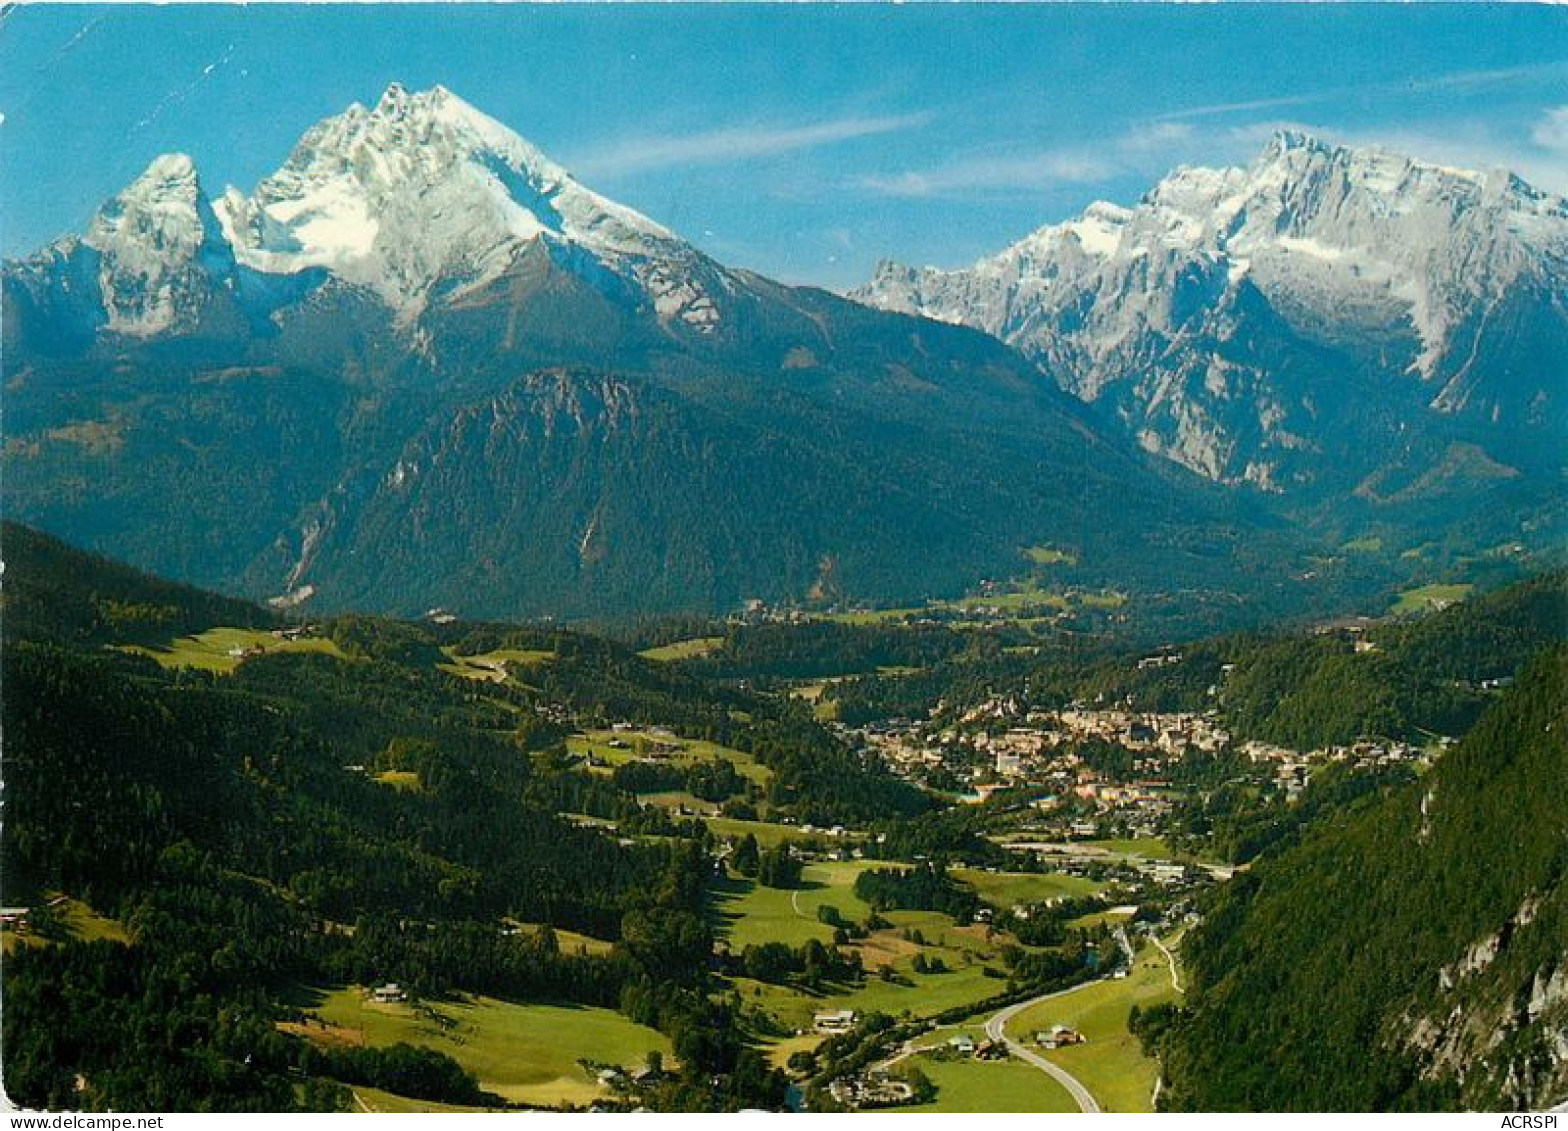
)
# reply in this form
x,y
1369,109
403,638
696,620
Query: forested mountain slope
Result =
x,y
348,813
1410,952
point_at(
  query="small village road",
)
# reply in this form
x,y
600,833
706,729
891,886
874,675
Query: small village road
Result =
x,y
996,1030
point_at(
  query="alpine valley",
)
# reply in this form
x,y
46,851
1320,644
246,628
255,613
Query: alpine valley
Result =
x,y
464,648
422,366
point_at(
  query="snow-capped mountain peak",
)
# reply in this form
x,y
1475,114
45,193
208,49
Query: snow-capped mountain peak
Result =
x,y
167,189
418,202
1147,308
424,189
158,242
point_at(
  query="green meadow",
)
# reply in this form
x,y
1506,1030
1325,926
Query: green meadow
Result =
x,y
493,667
1110,1063
523,1053
683,752
768,833
683,649
1049,555
80,922
210,650
970,1085
749,913
1427,598
1005,889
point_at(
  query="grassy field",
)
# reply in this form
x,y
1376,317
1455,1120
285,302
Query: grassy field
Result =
x,y
1049,555
1004,889
1151,847
924,996
1428,598
494,667
570,942
989,1086
1111,1064
927,994
824,710
1112,915
1020,602
684,649
680,799
86,925
398,779
872,616
767,833
943,932
1017,596
524,1053
1102,600
210,650
81,923
377,1102
749,913
780,1051
687,752
964,951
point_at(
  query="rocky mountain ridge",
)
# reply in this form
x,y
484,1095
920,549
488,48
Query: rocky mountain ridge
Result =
x,y
1268,324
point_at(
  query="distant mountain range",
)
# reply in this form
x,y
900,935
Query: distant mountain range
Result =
x,y
1327,321
422,365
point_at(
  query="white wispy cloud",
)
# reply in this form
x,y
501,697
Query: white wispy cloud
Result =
x,y
1248,106
1032,170
1551,131
1025,170
737,143
1454,80
1232,132
1537,151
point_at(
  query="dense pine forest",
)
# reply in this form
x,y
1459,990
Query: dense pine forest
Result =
x,y
1409,953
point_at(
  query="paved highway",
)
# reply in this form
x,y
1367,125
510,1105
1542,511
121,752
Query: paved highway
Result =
x,y
996,1029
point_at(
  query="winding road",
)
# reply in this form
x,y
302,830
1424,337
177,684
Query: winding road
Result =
x,y
996,1030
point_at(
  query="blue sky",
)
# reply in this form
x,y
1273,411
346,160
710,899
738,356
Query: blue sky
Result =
x,y
806,142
